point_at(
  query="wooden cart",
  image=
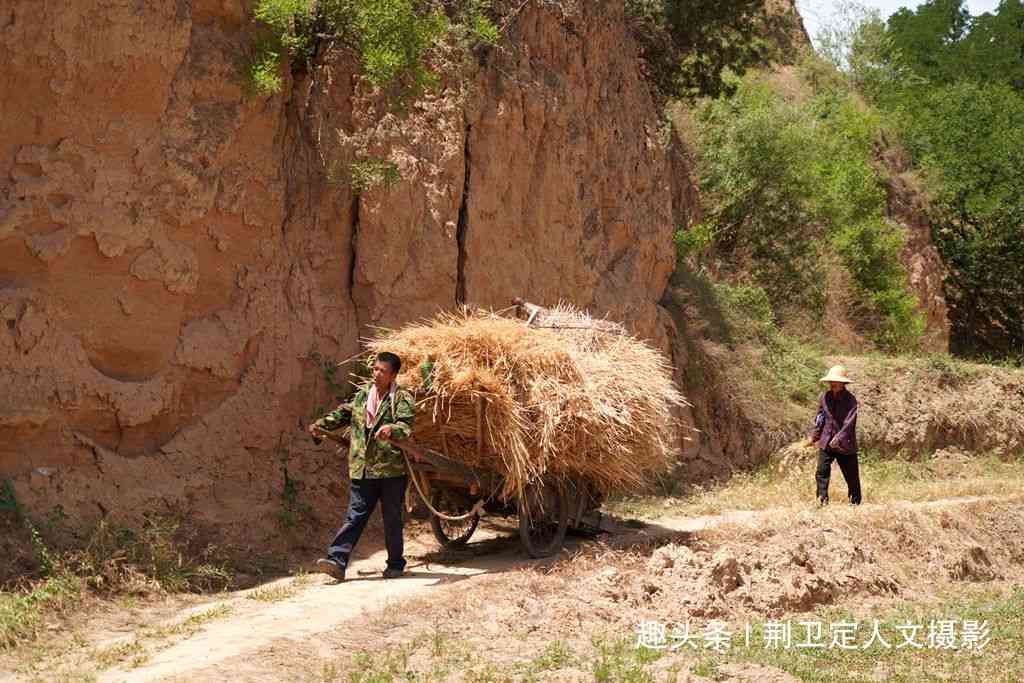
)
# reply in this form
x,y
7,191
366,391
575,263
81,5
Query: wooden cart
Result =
x,y
457,496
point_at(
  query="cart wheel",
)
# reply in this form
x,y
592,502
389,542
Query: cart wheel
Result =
x,y
543,519
451,534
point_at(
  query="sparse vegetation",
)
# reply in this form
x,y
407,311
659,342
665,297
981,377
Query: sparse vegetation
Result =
x,y
368,173
998,661
272,593
23,612
293,510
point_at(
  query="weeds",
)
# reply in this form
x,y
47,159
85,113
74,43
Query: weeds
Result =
x,y
191,625
789,368
620,661
105,658
556,655
293,510
116,558
23,615
951,371
368,173
113,561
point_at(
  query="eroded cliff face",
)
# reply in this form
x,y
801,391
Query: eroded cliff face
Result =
x,y
172,254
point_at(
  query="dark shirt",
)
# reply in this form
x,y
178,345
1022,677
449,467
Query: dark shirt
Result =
x,y
844,409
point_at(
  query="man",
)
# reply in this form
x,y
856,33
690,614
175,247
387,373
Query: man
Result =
x,y
379,413
835,431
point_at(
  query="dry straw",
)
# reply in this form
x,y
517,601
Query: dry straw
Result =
x,y
567,396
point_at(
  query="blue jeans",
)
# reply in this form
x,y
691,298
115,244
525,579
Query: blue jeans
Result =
x,y
363,495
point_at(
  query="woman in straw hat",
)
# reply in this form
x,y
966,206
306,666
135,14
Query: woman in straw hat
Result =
x,y
835,431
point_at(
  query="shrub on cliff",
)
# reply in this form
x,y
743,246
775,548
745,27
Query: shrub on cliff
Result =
x,y
390,37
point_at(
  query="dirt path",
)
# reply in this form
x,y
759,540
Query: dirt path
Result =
x,y
294,612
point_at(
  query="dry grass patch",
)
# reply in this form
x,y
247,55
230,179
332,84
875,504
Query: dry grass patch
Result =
x,y
883,480
273,593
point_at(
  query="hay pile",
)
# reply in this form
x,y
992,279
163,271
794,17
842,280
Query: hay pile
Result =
x,y
566,396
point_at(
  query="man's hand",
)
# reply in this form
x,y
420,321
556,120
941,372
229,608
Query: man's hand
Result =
x,y
316,431
384,433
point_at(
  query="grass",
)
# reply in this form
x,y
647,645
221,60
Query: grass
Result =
x,y
273,593
1000,660
114,563
107,657
440,657
616,658
191,625
22,615
883,480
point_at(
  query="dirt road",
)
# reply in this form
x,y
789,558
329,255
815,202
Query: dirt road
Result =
x,y
261,633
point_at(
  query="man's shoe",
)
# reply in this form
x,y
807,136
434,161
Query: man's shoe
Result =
x,y
330,566
822,502
392,573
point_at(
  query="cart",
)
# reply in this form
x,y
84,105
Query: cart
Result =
x,y
458,495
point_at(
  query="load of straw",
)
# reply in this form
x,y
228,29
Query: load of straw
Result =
x,y
561,395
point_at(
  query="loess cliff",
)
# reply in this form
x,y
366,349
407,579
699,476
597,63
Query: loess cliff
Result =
x,y
176,267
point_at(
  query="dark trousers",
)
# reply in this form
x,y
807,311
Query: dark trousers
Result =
x,y
363,495
848,465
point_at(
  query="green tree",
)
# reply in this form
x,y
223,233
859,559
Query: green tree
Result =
x,y
690,45
942,43
968,139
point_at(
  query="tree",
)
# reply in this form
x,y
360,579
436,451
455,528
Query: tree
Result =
x,y
689,45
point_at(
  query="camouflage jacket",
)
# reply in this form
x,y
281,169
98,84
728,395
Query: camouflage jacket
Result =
x,y
369,457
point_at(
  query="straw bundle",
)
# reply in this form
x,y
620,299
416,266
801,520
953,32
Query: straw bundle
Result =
x,y
566,396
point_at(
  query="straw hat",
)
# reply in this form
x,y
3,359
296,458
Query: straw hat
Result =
x,y
837,373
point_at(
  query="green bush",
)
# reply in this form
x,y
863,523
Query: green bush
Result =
x,y
391,37
782,182
968,140
757,185
263,74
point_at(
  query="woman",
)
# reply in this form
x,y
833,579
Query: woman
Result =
x,y
835,431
